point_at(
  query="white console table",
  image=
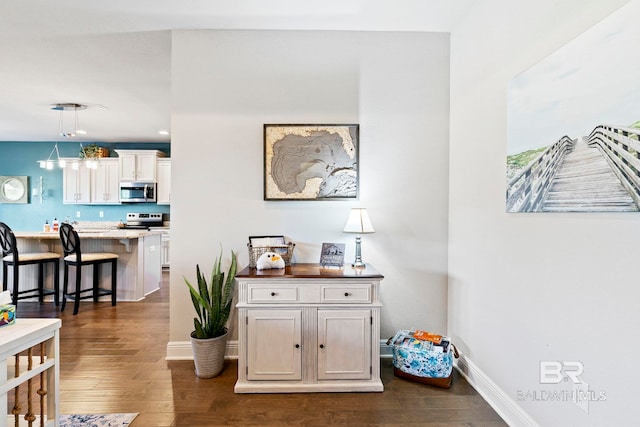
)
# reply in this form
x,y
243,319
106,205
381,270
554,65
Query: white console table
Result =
x,y
16,339
308,329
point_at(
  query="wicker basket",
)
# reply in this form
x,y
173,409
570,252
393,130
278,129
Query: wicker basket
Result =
x,y
285,251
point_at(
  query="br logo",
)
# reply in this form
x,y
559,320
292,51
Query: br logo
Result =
x,y
554,372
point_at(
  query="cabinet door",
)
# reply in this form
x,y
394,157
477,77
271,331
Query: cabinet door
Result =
x,y
76,185
163,195
166,249
274,344
344,344
127,166
138,165
146,167
105,183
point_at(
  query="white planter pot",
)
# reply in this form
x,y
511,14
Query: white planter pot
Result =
x,y
208,355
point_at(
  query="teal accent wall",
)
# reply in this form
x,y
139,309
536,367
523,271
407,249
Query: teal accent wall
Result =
x,y
21,158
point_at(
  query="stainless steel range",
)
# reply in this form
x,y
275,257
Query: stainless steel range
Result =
x,y
143,220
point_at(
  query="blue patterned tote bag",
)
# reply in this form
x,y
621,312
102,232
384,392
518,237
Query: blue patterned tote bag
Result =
x,y
424,357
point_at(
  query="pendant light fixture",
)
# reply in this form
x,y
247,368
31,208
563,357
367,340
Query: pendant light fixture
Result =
x,y
67,131
50,163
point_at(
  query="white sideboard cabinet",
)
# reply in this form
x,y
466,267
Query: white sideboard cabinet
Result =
x,y
308,329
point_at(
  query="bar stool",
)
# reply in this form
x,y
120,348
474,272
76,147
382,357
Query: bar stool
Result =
x,y
11,257
74,257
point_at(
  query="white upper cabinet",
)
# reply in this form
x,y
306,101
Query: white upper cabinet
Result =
x,y
163,173
76,185
105,182
138,165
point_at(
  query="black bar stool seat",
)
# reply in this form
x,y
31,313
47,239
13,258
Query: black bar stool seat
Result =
x,y
73,256
11,258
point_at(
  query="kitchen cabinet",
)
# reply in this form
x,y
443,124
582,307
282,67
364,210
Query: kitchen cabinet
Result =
x,y
138,165
308,329
99,186
76,184
166,249
105,182
163,189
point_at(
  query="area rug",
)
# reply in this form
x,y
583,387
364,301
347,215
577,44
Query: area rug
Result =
x,y
96,420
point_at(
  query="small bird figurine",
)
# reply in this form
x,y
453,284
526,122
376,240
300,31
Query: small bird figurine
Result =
x,y
269,260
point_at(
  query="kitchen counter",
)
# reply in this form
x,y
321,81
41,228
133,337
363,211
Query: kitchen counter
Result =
x,y
139,258
120,233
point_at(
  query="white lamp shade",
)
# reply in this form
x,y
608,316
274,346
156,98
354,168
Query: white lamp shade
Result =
x,y
358,222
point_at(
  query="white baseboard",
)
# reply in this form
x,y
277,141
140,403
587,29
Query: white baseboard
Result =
x,y
385,350
181,350
501,402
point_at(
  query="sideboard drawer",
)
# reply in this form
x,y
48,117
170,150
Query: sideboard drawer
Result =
x,y
346,293
261,294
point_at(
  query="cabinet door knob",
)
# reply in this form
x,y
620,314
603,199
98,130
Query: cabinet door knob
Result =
x,y
346,294
297,345
273,294
321,345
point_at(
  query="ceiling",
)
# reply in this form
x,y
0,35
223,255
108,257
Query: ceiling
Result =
x,y
115,56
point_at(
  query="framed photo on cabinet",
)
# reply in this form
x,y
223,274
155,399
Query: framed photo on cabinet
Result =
x,y
332,255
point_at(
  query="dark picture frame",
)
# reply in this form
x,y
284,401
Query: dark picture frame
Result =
x,y
332,254
311,161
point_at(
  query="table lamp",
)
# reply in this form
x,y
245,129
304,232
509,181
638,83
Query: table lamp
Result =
x,y
358,223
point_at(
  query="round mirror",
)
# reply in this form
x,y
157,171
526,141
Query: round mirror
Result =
x,y
13,189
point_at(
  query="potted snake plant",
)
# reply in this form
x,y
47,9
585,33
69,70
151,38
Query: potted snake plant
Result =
x,y
212,302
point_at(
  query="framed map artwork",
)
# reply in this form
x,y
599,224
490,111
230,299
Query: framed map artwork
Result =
x,y
311,162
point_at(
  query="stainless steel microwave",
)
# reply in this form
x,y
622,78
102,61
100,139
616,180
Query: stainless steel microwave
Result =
x,y
137,192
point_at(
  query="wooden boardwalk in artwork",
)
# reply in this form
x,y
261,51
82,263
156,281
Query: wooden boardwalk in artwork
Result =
x,y
585,182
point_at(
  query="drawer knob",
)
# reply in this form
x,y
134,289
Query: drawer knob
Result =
x,y
321,345
346,294
273,294
297,345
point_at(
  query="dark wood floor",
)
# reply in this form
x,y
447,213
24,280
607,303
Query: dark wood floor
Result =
x,y
112,360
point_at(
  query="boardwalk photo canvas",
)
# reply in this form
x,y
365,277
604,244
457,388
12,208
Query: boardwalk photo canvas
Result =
x,y
574,124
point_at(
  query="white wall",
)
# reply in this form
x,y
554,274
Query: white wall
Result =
x,y
526,288
227,84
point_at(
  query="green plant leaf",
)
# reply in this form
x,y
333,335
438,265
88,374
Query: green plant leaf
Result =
x,y
213,302
195,299
198,331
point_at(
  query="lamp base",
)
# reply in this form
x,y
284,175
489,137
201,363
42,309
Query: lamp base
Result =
x,y
358,263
